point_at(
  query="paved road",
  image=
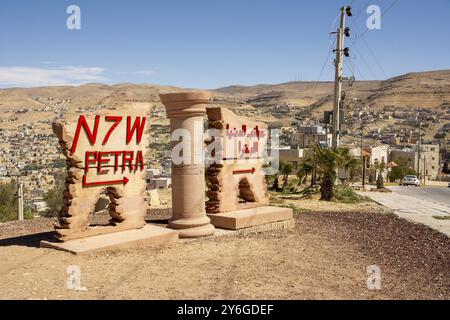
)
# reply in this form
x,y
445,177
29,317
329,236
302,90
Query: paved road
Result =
x,y
429,206
440,195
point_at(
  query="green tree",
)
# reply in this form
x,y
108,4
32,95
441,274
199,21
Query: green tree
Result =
x,y
349,163
400,171
285,169
446,168
308,167
8,209
54,197
7,193
304,170
328,161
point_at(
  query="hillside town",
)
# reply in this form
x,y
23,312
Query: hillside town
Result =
x,y
419,137
403,134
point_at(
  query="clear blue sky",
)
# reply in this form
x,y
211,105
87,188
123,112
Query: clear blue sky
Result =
x,y
212,43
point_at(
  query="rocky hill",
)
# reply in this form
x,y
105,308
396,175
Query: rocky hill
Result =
x,y
412,90
267,102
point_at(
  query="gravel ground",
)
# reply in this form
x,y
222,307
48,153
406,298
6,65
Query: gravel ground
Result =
x,y
324,257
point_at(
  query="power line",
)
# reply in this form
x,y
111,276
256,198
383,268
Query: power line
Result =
x,y
365,62
351,68
357,69
375,58
323,69
384,12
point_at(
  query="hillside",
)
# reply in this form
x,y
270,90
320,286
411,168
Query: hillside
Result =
x,y
429,90
278,103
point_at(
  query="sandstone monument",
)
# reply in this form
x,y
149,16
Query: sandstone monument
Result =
x,y
105,153
236,181
237,190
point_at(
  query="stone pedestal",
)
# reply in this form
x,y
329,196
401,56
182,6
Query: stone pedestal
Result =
x,y
186,112
247,218
148,236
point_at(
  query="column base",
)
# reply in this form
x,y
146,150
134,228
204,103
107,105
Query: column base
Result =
x,y
241,219
186,231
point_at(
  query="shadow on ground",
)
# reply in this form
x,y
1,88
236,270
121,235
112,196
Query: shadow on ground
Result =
x,y
32,240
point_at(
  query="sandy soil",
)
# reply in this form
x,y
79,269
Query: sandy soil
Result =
x,y
322,206
324,257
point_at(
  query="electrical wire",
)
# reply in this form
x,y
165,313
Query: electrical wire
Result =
x,y
384,12
375,58
357,69
366,64
323,69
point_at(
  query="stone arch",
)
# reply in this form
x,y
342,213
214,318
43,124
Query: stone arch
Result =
x,y
245,192
127,207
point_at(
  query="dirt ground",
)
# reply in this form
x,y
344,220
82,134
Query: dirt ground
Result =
x,y
324,257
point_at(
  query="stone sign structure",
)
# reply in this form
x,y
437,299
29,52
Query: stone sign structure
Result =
x,y
237,181
237,190
105,153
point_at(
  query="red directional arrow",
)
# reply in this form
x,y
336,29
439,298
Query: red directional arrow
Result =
x,y
252,171
123,181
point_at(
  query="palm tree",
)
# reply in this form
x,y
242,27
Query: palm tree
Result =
x,y
308,167
328,161
286,169
275,185
348,162
304,170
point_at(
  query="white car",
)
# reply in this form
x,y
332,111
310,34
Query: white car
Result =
x,y
410,181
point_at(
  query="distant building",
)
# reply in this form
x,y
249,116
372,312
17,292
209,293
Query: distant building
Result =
x,y
374,155
379,154
163,183
290,155
428,164
39,206
309,136
156,179
430,160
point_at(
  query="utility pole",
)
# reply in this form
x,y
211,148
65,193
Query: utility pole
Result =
x,y
20,199
424,171
363,159
338,62
419,149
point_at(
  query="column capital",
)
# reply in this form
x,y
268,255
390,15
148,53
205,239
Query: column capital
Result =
x,y
185,104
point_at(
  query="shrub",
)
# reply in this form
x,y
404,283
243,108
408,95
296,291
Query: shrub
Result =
x,y
8,209
348,195
54,198
7,213
310,191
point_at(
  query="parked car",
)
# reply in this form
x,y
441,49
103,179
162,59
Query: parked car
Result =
x,y
410,181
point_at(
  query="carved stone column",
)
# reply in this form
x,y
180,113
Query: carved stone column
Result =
x,y
186,112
